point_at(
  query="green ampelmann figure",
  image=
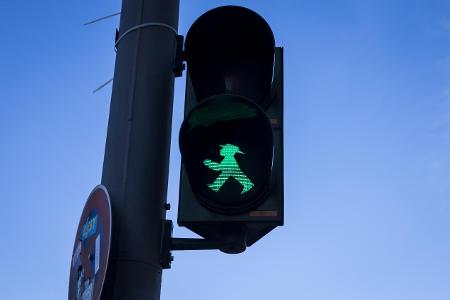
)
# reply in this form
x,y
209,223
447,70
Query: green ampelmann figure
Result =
x,y
229,168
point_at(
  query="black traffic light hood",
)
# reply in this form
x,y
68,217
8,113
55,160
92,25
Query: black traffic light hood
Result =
x,y
230,50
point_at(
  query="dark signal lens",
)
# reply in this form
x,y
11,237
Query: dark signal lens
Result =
x,y
226,144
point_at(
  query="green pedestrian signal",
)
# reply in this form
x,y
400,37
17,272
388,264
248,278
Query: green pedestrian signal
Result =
x,y
227,146
228,168
231,139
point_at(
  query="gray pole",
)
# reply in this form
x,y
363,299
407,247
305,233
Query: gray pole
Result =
x,y
135,167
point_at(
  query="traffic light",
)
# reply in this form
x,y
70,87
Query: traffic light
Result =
x,y
231,139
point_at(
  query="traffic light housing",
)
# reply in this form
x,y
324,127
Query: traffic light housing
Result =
x,y
231,140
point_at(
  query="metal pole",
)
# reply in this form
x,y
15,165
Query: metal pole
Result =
x,y
136,162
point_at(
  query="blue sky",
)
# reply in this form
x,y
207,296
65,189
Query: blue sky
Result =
x,y
367,139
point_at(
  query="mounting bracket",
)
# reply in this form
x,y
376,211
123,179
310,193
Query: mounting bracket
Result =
x,y
178,64
169,244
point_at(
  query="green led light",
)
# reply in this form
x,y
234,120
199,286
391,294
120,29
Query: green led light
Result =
x,y
228,168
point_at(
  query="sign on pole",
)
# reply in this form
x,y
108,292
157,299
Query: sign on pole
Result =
x,y
91,248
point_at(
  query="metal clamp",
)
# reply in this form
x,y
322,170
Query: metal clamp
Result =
x,y
150,24
178,65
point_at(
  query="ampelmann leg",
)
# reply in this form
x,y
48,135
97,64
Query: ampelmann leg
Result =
x,y
217,184
244,181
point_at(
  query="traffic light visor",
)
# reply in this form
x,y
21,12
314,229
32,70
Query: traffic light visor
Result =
x,y
230,50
